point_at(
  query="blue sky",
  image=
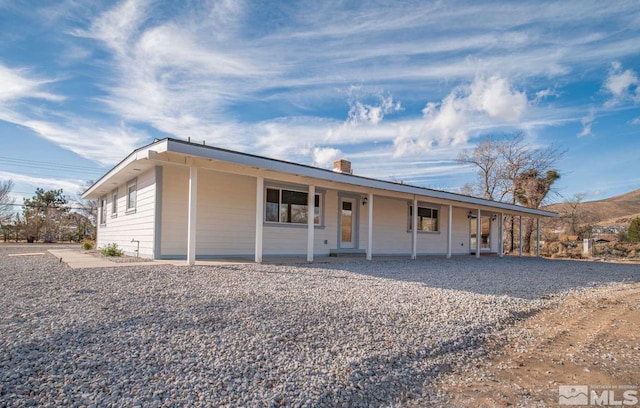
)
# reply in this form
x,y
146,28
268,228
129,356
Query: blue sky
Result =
x,y
398,88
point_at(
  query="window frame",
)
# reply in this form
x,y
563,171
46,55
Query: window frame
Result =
x,y
294,189
131,208
103,211
421,206
114,202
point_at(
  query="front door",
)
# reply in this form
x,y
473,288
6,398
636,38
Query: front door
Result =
x,y
485,234
348,229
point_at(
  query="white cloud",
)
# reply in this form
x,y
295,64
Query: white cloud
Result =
x,y
17,84
587,123
116,26
370,113
484,102
324,156
623,85
103,144
69,186
635,121
545,93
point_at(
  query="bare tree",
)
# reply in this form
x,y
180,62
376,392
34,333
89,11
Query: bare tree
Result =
x,y
500,164
576,220
6,201
89,209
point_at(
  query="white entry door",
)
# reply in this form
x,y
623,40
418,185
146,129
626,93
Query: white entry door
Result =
x,y
348,229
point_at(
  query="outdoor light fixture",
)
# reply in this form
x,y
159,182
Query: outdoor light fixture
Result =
x,y
470,215
364,200
494,217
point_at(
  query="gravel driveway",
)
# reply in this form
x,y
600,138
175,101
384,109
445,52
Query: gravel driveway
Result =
x,y
350,333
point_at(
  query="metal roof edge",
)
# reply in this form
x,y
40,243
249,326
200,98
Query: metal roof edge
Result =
x,y
251,160
123,163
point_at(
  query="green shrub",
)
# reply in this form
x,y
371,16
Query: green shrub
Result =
x,y
112,250
87,245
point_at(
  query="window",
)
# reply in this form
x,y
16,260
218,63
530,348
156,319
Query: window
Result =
x,y
103,210
289,207
114,202
131,195
427,219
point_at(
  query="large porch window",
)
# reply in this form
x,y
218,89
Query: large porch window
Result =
x,y
289,207
427,219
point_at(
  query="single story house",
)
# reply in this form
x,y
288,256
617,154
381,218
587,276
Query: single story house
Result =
x,y
174,199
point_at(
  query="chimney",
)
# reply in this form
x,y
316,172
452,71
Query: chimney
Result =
x,y
342,166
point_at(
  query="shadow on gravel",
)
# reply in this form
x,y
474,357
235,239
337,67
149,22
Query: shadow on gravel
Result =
x,y
161,358
525,278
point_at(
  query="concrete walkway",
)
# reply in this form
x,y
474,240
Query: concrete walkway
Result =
x,y
77,259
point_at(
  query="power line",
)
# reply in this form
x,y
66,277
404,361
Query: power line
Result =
x,y
33,163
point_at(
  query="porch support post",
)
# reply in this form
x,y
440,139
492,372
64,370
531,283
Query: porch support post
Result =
x,y
259,217
501,236
478,233
414,229
520,243
370,229
449,228
192,217
538,237
311,204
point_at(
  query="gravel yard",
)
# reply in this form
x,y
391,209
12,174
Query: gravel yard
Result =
x,y
347,333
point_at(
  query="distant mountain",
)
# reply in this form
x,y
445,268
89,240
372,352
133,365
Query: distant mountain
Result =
x,y
618,210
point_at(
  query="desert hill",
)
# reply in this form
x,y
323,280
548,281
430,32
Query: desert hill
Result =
x,y
618,210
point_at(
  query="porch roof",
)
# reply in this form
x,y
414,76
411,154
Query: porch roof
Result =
x,y
141,159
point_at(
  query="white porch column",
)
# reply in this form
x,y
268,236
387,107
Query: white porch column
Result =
x,y
259,217
501,236
370,229
478,233
192,224
449,228
538,237
414,229
520,243
311,205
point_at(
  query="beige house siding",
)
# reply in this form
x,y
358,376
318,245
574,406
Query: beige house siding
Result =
x,y
137,225
460,232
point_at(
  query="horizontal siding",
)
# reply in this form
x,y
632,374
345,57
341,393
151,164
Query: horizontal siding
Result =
x,y
226,214
226,218
390,234
460,234
175,209
138,225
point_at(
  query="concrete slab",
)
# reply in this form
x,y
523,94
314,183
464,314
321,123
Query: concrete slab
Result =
x,y
77,259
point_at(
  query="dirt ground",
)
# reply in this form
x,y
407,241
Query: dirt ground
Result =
x,y
589,339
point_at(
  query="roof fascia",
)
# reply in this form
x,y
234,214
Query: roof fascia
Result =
x,y
259,162
138,154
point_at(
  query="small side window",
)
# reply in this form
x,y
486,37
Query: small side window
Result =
x,y
132,192
103,210
114,202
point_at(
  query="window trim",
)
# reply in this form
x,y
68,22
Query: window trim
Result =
x,y
103,211
130,209
114,202
428,207
298,189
